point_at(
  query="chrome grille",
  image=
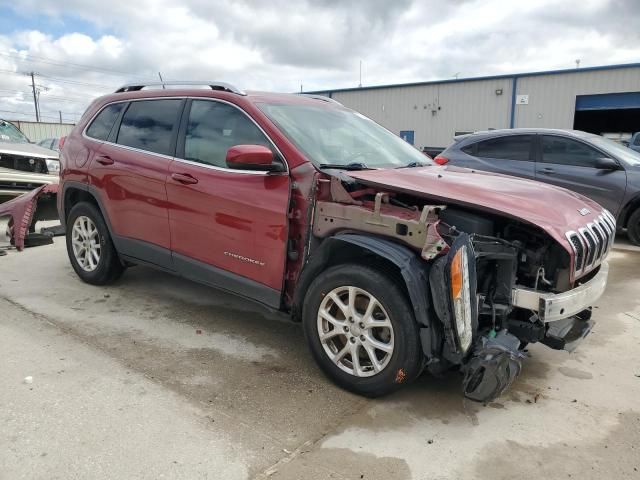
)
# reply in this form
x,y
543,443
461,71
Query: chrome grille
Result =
x,y
592,243
578,248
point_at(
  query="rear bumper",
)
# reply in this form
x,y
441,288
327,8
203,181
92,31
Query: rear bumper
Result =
x,y
557,306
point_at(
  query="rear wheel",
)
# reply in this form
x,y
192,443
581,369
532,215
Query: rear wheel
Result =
x,y
361,330
89,246
633,227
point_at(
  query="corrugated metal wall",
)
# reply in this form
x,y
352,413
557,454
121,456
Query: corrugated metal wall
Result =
x,y
552,98
36,131
436,111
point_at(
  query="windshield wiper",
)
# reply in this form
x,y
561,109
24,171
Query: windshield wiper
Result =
x,y
348,166
414,164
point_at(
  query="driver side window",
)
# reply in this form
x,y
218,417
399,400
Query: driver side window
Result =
x,y
565,151
213,128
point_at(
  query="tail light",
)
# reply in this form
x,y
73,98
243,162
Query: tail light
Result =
x,y
440,160
61,143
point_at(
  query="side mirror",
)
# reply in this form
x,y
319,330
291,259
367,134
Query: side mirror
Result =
x,y
251,157
606,163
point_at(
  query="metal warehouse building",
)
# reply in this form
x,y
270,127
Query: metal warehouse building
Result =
x,y
428,114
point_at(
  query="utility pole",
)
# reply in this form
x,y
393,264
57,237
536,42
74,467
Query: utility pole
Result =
x,y
60,113
161,80
35,98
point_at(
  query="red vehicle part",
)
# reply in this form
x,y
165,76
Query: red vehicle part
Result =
x,y
21,212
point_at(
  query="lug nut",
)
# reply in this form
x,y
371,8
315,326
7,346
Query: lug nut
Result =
x,y
362,337
346,329
351,319
361,325
353,339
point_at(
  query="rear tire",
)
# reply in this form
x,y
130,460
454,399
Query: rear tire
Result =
x,y
89,246
358,310
633,227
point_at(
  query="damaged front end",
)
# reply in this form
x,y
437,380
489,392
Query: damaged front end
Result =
x,y
490,359
494,283
486,327
24,211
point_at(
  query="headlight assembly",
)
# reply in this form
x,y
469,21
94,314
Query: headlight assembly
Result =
x,y
461,298
53,166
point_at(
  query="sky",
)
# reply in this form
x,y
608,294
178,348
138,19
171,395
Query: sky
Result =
x,y
81,49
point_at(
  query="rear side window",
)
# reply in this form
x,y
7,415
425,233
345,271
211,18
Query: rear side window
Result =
x,y
470,149
148,125
103,123
565,151
513,147
215,127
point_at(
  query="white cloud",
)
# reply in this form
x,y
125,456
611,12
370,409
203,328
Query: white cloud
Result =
x,y
278,45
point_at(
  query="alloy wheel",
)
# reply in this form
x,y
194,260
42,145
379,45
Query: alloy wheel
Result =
x,y
355,331
85,242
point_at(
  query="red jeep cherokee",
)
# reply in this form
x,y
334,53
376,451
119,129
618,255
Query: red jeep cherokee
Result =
x,y
392,263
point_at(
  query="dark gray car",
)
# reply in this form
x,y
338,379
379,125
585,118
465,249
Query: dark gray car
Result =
x,y
592,165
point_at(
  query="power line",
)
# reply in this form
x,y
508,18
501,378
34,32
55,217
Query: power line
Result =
x,y
70,98
62,80
60,63
50,115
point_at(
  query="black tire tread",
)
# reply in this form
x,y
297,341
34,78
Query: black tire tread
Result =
x,y
633,227
110,268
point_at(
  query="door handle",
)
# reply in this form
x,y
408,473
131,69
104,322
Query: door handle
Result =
x,y
104,160
548,171
184,178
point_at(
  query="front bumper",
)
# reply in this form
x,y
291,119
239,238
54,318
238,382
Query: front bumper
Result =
x,y
556,306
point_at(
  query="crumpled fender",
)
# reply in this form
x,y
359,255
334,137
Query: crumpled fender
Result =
x,y
21,211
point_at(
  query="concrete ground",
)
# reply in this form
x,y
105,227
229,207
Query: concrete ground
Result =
x,y
156,377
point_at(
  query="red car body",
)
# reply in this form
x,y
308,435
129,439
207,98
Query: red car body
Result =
x,y
267,235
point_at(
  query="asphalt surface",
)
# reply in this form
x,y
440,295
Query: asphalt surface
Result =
x,y
156,377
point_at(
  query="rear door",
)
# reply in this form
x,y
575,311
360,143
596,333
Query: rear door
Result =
x,y
130,171
509,155
228,227
571,164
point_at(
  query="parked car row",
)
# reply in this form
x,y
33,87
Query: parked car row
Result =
x,y
591,165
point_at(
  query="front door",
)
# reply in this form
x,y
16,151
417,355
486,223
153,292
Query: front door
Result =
x,y
571,164
228,227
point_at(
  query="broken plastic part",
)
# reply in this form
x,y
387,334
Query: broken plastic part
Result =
x,y
21,212
494,366
568,333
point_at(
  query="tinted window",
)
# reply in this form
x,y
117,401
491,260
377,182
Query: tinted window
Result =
x,y
103,123
215,127
148,125
637,140
565,151
513,147
469,149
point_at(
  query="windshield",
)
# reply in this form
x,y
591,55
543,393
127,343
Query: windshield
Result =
x,y
619,151
341,137
9,133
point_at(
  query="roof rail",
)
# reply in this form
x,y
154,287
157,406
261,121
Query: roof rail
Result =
x,y
321,98
225,87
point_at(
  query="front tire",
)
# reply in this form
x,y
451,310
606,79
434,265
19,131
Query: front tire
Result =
x,y
361,330
89,246
633,227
